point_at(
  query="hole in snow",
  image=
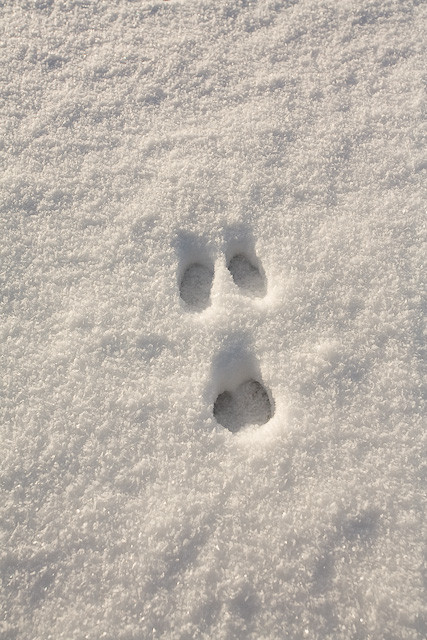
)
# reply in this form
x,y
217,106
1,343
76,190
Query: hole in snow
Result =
x,y
196,284
248,404
247,276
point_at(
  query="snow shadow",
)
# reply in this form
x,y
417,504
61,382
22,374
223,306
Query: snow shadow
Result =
x,y
238,393
243,263
195,270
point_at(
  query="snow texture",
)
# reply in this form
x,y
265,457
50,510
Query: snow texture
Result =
x,y
197,195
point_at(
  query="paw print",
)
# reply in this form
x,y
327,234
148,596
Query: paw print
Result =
x,y
196,284
247,276
241,399
248,404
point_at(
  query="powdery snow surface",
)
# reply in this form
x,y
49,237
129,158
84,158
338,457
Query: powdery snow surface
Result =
x,y
213,204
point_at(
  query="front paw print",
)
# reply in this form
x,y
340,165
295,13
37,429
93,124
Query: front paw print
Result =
x,y
247,404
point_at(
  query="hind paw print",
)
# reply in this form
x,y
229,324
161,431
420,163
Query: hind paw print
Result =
x,y
196,282
195,286
247,276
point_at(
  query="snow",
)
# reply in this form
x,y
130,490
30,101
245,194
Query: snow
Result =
x,y
198,198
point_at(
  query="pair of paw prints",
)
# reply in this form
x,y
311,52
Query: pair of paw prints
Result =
x,y
248,404
243,400
196,283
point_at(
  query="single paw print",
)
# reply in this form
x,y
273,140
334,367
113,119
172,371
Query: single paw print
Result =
x,y
195,286
248,404
241,399
247,276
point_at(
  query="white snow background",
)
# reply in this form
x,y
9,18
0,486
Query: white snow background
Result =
x,y
139,137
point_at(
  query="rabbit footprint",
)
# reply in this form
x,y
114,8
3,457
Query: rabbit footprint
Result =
x,y
248,404
240,397
195,286
247,276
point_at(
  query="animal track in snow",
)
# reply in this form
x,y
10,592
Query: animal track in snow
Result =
x,y
247,276
249,404
240,397
195,286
